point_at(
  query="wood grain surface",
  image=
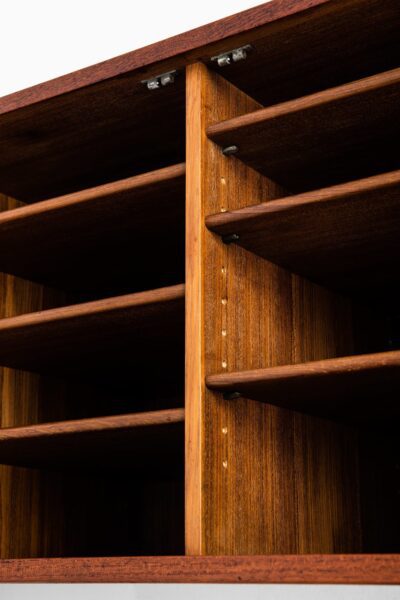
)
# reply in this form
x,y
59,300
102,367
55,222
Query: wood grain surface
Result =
x,y
37,506
243,312
143,441
349,387
138,515
76,334
89,243
323,138
66,145
375,569
345,236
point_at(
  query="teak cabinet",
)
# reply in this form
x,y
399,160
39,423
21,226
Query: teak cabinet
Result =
x,y
200,325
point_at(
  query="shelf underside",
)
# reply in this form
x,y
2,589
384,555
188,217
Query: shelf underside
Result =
x,y
142,440
129,333
102,134
287,55
329,137
346,235
322,568
97,238
357,387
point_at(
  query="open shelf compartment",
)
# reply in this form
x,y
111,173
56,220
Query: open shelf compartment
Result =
x,y
345,236
318,140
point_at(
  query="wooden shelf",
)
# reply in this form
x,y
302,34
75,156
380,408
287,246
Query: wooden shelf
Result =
x,y
320,139
311,568
74,337
59,241
347,387
50,149
346,235
133,440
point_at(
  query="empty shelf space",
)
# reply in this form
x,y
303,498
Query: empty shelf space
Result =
x,y
116,492
320,139
127,329
346,235
134,439
97,237
349,387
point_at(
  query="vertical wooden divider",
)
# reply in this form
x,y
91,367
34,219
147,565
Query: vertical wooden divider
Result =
x,y
259,479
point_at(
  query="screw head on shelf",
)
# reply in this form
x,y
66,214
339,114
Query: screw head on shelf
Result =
x,y
239,54
167,78
229,239
232,56
224,60
230,150
158,81
232,395
153,84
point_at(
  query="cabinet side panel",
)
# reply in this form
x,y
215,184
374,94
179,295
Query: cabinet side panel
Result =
x,y
258,479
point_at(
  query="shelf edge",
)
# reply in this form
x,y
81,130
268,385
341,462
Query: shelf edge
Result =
x,y
371,569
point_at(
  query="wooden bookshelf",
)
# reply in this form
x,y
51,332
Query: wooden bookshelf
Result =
x,y
199,324
308,141
338,387
37,341
134,439
318,569
344,235
40,241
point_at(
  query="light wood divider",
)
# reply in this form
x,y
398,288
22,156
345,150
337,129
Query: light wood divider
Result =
x,y
259,479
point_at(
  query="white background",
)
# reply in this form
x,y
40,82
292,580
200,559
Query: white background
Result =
x,y
196,592
42,39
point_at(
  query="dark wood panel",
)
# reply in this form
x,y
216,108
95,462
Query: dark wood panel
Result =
x,y
136,440
92,241
96,512
317,568
379,458
346,235
349,387
323,138
73,337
